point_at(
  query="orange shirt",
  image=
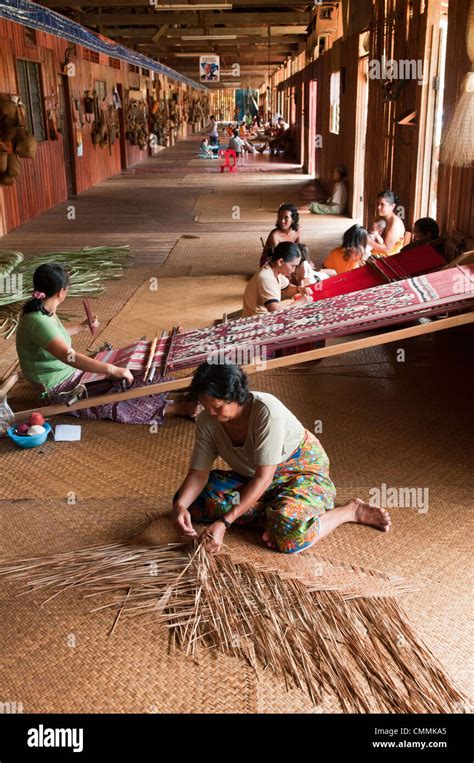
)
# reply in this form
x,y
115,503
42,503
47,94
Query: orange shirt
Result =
x,y
335,260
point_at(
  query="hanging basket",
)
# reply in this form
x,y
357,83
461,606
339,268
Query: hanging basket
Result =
x,y
8,109
8,128
5,179
13,165
26,148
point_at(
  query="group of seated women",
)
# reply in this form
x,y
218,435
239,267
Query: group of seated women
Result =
x,y
279,472
286,269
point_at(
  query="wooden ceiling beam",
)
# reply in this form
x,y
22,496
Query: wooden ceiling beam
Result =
x,y
241,40
257,31
162,31
210,19
295,4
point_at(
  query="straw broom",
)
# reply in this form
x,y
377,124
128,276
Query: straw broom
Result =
x,y
331,635
458,150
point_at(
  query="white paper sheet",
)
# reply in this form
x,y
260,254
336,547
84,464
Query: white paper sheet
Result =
x,y
67,433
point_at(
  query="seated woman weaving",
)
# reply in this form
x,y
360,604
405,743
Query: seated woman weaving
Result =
x,y
286,229
392,238
265,289
279,471
49,363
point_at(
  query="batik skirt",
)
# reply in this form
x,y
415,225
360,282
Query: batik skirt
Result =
x,y
143,410
290,509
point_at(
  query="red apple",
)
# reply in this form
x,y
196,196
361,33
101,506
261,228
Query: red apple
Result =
x,y
36,418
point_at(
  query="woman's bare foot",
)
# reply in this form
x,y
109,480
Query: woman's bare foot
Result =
x,y
365,514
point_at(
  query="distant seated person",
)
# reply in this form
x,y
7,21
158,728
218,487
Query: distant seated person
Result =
x,y
351,254
337,202
425,231
271,283
278,134
205,150
392,238
229,130
285,230
306,274
240,145
236,143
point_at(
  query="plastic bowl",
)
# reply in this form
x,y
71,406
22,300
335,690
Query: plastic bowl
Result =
x,y
29,441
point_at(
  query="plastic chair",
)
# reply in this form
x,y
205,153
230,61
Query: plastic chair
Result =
x,y
225,156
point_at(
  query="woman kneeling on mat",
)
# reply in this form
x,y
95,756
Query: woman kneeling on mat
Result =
x,y
50,364
265,289
279,474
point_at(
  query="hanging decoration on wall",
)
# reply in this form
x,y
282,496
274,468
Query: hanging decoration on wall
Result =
x,y
15,140
458,144
52,109
89,105
137,131
116,98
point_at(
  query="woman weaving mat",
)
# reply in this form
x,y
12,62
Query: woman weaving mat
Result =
x,y
279,470
50,364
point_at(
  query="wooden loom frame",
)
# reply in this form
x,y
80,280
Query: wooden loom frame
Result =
x,y
288,360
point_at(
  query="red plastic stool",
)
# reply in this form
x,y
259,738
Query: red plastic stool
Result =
x,y
225,155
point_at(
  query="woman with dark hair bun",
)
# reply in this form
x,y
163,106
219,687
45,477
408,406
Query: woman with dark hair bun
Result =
x,y
279,473
264,291
49,363
392,238
352,252
286,230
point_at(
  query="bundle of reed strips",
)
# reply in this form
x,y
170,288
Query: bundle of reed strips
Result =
x,y
355,644
88,268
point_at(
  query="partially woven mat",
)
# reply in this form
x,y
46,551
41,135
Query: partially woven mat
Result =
x,y
129,672
86,636
193,302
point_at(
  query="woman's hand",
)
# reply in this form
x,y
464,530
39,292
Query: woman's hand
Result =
x,y
213,537
304,290
116,372
94,325
182,522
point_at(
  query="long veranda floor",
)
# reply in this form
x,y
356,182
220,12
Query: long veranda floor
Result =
x,y
384,422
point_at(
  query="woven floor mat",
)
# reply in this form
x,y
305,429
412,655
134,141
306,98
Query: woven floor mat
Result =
x,y
159,304
236,179
129,672
214,254
69,634
230,206
220,254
